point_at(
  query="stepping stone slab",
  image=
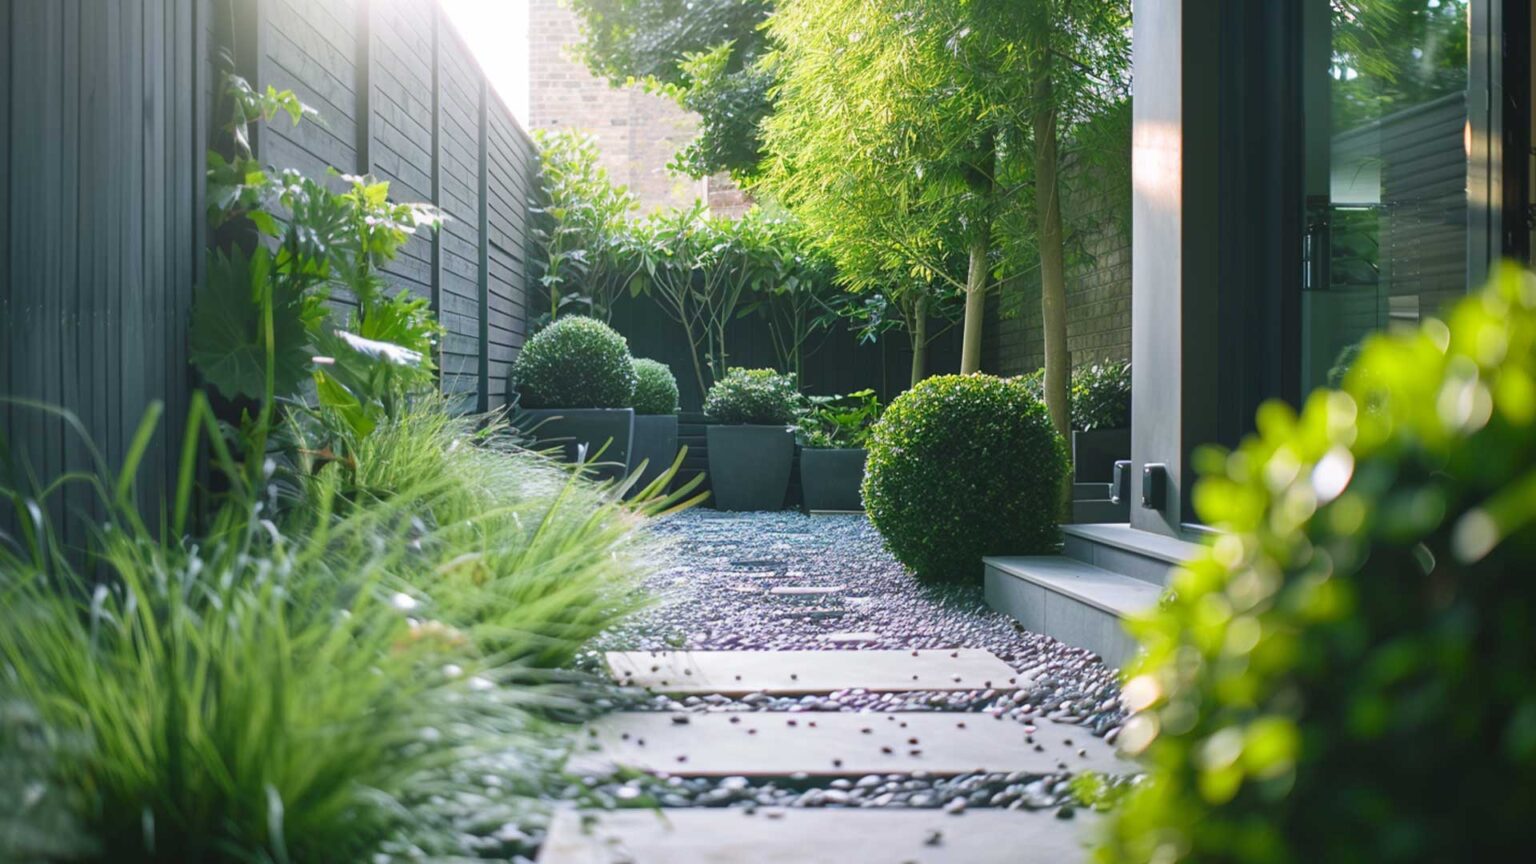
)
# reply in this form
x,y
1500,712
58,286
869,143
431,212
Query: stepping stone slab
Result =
x,y
806,590
835,744
849,638
780,836
800,672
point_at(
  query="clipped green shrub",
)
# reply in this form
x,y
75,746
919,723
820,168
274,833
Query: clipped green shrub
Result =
x,y
963,466
655,388
1346,674
575,362
1101,396
760,397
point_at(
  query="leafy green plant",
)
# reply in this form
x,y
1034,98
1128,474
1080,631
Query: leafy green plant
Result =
x,y
1101,396
963,466
753,396
287,242
655,388
259,693
575,362
587,260
1344,674
840,421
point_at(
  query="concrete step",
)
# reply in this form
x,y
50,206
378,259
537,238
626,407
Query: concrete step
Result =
x,y
1119,548
1069,600
833,836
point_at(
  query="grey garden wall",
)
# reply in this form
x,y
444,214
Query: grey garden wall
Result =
x,y
108,106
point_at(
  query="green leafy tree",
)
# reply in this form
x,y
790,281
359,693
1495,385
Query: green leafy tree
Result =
x,y
702,53
924,120
583,226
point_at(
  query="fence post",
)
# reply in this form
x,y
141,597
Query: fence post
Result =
x,y
483,289
363,87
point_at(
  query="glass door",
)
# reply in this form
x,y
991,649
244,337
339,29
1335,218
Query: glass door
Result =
x,y
1388,137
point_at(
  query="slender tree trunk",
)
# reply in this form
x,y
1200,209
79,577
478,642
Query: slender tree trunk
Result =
x,y
981,180
919,335
1053,277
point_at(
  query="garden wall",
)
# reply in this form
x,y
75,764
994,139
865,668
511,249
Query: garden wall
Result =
x,y
101,195
1098,285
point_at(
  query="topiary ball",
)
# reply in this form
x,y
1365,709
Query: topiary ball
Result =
x,y
963,466
655,388
574,363
761,397
1346,674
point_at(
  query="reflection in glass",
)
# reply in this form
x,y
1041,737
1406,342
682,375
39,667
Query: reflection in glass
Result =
x,y
1387,220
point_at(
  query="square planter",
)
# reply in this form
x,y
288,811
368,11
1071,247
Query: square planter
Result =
x,y
749,466
830,477
1095,452
655,440
611,430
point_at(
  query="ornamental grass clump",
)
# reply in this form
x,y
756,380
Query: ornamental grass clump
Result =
x,y
963,466
575,362
759,397
655,388
1345,675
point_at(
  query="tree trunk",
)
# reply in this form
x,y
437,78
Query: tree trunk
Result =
x,y
919,336
1053,277
982,184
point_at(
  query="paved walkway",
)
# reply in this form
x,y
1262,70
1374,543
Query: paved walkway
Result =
x,y
885,743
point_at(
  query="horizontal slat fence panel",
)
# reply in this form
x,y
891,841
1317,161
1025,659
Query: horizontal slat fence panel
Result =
x,y
102,232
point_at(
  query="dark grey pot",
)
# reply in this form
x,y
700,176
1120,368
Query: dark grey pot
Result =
x,y
573,428
656,441
830,477
1095,452
749,466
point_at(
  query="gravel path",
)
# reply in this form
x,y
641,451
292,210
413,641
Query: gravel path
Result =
x,y
716,595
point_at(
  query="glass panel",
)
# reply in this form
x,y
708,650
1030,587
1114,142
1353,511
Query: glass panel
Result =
x,y
1387,171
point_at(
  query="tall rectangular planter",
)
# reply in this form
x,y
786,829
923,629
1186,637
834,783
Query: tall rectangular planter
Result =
x,y
589,430
1095,452
749,466
655,443
830,477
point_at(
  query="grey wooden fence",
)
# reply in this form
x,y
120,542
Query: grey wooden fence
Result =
x,y
106,106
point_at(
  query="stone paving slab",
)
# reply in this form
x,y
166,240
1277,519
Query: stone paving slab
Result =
x,y
833,744
701,836
802,672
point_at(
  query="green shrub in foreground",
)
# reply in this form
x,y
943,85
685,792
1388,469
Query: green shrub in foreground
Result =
x,y
655,388
1346,675
761,397
575,362
963,466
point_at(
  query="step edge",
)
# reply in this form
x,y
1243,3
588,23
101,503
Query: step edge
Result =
x,y
1089,532
1007,566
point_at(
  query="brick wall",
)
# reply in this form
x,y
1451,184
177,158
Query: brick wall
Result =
x,y
637,132
1098,290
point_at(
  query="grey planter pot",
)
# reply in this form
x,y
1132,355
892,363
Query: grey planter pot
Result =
x,y
655,440
1095,452
830,477
593,428
749,466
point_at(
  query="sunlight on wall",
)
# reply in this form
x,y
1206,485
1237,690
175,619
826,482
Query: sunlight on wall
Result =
x,y
497,32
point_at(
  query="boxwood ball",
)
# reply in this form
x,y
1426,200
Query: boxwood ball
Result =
x,y
575,363
963,466
655,388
